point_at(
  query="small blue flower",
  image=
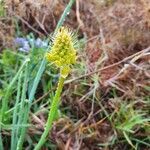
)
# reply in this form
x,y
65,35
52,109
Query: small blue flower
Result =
x,y
38,43
20,41
23,44
26,46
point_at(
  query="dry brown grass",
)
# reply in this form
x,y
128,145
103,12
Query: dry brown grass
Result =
x,y
122,29
116,30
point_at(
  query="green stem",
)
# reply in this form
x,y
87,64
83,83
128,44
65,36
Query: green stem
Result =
x,y
52,113
22,111
24,128
36,80
64,15
15,115
1,142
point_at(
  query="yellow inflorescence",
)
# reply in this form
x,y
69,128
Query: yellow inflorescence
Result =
x,y
63,53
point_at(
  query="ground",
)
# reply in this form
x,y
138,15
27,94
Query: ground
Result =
x,y
105,100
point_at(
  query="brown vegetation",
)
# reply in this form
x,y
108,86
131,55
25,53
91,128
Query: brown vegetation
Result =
x,y
118,32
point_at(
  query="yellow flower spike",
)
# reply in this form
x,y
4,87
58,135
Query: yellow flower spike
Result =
x,y
63,53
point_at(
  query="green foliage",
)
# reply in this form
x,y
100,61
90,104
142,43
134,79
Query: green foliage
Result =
x,y
127,121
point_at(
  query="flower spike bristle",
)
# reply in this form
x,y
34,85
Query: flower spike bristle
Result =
x,y
63,53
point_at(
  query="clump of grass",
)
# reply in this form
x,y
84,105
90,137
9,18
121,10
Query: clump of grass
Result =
x,y
128,121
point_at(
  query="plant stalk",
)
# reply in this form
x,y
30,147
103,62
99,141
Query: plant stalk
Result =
x,y
52,113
